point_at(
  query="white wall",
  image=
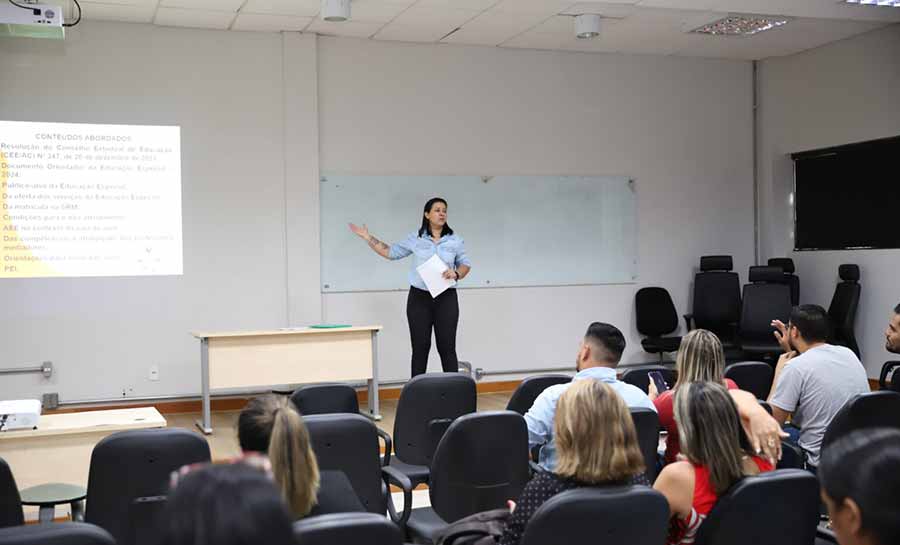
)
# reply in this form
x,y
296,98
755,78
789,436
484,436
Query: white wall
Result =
x,y
837,94
261,114
681,127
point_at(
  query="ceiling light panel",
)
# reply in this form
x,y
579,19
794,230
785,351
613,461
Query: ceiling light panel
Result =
x,y
741,25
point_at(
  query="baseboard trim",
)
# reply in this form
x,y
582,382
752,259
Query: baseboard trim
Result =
x,y
238,403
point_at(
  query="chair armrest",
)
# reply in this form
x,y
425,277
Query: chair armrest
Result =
x,y
392,475
826,535
688,321
388,446
535,468
885,371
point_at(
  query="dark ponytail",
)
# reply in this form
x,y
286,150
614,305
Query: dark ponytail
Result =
x,y
446,231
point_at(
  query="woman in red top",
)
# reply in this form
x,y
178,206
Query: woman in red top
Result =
x,y
711,443
700,358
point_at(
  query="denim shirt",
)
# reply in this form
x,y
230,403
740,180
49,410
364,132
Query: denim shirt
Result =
x,y
540,417
449,248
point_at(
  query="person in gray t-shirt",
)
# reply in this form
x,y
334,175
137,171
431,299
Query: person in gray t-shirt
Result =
x,y
813,379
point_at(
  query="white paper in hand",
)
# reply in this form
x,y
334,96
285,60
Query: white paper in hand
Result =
x,y
432,272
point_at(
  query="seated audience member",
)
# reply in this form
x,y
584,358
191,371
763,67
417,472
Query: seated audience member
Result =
x,y
892,333
271,425
231,504
813,379
596,446
597,359
710,432
860,478
700,358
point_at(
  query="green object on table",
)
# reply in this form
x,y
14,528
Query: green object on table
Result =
x,y
329,326
48,496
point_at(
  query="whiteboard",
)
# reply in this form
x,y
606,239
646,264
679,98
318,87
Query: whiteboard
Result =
x,y
518,230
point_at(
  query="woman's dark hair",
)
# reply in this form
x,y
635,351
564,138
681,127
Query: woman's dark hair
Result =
x,y
231,504
865,467
446,231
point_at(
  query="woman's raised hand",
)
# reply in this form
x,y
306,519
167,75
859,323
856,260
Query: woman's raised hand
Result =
x,y
361,232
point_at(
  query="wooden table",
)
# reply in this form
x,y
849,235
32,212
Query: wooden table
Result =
x,y
248,359
59,450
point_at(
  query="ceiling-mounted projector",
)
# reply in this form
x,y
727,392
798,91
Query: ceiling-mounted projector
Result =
x,y
38,21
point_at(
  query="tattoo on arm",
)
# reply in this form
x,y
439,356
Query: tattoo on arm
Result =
x,y
377,244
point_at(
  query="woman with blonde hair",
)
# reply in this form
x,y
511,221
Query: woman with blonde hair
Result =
x,y
596,446
700,358
272,426
711,442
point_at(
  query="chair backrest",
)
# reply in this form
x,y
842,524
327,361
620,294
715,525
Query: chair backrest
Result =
x,y
646,423
890,376
752,376
136,464
347,529
63,533
10,501
638,376
530,388
479,464
765,299
776,508
655,312
632,515
325,398
870,410
717,295
349,443
844,303
790,279
423,400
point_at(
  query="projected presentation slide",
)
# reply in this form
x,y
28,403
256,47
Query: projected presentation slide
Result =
x,y
90,200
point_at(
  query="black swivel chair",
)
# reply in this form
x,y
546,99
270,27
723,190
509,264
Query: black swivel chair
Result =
x,y
842,310
646,423
130,471
776,508
765,299
889,368
349,443
428,404
789,278
717,300
637,376
63,533
752,376
347,529
632,515
325,398
656,320
530,388
10,501
879,409
480,463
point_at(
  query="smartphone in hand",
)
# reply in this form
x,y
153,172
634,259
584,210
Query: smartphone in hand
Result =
x,y
658,380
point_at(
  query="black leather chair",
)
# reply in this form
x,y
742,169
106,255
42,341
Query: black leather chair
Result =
x,y
892,383
349,443
752,376
325,398
632,515
130,468
765,299
530,388
789,278
10,501
637,376
717,299
776,508
347,529
480,463
879,409
656,320
646,423
63,533
428,404
842,310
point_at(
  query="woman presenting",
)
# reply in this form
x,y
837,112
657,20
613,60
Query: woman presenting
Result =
x,y
422,311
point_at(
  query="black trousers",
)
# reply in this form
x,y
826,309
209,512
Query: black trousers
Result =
x,y
424,313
